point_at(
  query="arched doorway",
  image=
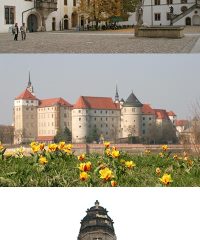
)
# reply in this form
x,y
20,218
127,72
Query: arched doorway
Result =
x,y
32,23
82,21
188,21
66,22
53,24
196,20
74,19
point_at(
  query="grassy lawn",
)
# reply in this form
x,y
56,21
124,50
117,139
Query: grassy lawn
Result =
x,y
57,166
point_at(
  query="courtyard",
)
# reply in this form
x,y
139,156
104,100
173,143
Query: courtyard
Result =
x,y
118,41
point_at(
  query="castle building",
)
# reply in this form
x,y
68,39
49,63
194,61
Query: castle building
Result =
x,y
97,225
167,12
39,15
113,120
95,113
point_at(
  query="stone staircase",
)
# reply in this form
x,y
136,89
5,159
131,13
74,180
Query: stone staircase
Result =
x,y
189,10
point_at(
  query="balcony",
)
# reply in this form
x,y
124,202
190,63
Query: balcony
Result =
x,y
50,5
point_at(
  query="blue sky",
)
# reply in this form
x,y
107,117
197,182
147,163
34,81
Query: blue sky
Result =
x,y
165,81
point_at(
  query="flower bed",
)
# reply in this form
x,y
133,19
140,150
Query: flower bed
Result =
x,y
57,165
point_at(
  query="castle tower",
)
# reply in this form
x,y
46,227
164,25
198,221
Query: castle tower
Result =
x,y
25,116
131,112
97,225
80,122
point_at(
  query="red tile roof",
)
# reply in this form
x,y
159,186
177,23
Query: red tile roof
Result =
x,y
85,102
181,123
161,114
146,109
26,95
54,101
171,113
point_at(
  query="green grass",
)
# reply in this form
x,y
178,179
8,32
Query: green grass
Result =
x,y
62,171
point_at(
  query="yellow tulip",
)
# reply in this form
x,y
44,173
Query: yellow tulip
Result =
x,y
106,174
166,179
84,176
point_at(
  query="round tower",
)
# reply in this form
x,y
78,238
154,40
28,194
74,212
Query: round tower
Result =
x,y
97,225
80,121
131,121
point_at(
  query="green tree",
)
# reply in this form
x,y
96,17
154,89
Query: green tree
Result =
x,y
99,10
128,6
65,135
93,135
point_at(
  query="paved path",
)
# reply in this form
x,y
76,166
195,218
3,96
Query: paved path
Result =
x,y
99,42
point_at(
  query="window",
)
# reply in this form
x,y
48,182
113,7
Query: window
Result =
x,y
95,111
95,119
79,126
143,118
9,15
133,109
157,16
143,131
65,2
79,111
106,112
143,124
74,3
169,2
65,115
157,2
79,119
150,118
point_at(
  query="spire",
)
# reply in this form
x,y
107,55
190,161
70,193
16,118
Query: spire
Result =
x,y
116,95
29,86
29,80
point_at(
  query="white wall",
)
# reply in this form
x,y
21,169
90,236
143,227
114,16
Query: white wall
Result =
x,y
149,11
20,6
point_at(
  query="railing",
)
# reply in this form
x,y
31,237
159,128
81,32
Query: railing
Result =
x,y
183,14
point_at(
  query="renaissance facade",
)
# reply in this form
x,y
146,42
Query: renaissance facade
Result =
x,y
40,119
39,15
171,12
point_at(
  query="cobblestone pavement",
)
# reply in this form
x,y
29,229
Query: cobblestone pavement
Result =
x,y
97,42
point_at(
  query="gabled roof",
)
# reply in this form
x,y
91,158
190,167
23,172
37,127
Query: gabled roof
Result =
x,y
26,95
161,114
146,109
85,102
182,123
54,101
171,114
132,101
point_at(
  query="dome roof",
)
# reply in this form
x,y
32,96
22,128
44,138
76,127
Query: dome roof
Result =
x,y
132,101
97,219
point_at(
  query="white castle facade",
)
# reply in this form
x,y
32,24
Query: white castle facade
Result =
x,y
183,12
40,120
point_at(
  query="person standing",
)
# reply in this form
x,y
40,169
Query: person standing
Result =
x,y
23,31
16,32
